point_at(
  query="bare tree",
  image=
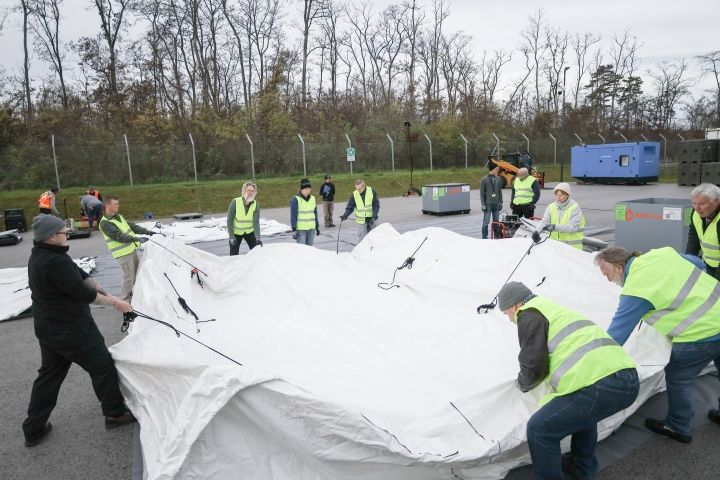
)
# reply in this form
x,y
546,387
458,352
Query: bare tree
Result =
x,y
556,44
623,51
412,29
329,40
490,69
111,22
26,12
581,45
46,30
534,48
670,86
710,65
312,10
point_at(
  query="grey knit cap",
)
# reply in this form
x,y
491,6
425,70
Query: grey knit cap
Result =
x,y
45,226
512,293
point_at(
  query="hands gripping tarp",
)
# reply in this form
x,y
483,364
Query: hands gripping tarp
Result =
x,y
336,378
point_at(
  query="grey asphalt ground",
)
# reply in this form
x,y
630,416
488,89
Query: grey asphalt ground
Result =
x,y
80,448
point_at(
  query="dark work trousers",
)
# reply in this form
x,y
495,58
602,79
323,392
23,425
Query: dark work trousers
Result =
x,y
527,210
46,211
86,347
249,238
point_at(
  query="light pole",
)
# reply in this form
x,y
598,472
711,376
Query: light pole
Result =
x,y
412,190
562,158
466,145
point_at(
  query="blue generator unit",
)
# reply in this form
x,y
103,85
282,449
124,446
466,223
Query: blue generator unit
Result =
x,y
637,162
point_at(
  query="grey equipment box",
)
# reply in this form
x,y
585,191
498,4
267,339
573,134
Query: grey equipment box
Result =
x,y
650,223
446,198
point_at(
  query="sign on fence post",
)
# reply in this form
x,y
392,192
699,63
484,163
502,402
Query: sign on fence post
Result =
x,y
350,157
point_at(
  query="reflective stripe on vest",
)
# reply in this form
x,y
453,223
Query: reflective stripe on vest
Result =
x,y
708,239
685,298
45,200
523,190
306,213
573,239
363,210
243,222
118,249
580,352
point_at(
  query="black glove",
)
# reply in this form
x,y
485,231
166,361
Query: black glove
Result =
x,y
317,232
150,233
536,237
512,205
343,217
484,208
295,235
369,221
233,241
532,205
258,242
549,227
142,239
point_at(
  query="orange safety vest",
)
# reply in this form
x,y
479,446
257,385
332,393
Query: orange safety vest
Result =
x,y
45,201
95,194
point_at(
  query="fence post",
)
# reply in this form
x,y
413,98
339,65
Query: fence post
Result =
x,y
498,145
430,142
57,176
392,152
603,138
194,162
350,146
554,149
623,136
681,138
127,149
578,137
466,156
661,136
528,142
303,147
252,156
644,137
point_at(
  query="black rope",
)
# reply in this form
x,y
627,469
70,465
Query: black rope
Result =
x,y
491,305
181,300
407,264
468,421
131,316
195,269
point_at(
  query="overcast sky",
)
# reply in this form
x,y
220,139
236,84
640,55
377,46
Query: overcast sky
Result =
x,y
667,29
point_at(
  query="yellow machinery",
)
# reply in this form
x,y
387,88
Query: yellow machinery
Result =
x,y
509,164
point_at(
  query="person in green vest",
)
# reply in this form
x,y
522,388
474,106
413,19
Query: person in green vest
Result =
x,y
243,219
563,219
303,215
670,292
705,227
525,194
590,377
365,203
122,242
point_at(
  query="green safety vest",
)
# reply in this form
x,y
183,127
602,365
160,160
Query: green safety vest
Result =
x,y
572,239
363,210
243,222
306,213
118,249
708,240
523,190
684,297
580,352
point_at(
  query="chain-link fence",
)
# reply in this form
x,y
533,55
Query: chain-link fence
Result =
x,y
33,166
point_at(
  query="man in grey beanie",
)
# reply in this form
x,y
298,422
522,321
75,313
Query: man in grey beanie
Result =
x,y
590,375
66,331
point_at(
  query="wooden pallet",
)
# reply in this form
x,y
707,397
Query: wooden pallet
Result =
x,y
187,216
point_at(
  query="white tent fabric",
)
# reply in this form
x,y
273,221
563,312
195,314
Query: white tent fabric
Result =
x,y
15,292
210,229
340,378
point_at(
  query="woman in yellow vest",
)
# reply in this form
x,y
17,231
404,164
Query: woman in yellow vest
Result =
x,y
563,219
303,215
590,375
243,219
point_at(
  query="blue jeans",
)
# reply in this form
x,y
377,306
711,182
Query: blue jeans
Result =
x,y
306,237
710,270
687,360
577,414
494,210
94,212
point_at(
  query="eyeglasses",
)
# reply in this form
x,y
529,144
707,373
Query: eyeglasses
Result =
x,y
67,234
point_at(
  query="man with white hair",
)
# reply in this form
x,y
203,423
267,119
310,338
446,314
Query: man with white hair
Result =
x,y
365,202
705,227
563,219
243,219
525,194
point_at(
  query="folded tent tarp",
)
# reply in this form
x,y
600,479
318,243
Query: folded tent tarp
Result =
x,y
209,230
339,378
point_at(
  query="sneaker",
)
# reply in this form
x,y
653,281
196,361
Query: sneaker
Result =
x,y
658,427
124,419
714,416
568,466
332,224
36,440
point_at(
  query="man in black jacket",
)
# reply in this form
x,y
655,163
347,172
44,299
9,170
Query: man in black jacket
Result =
x,y
66,331
705,227
328,195
491,197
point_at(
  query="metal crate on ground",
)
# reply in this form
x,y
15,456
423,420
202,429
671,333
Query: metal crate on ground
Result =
x,y
649,223
446,198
